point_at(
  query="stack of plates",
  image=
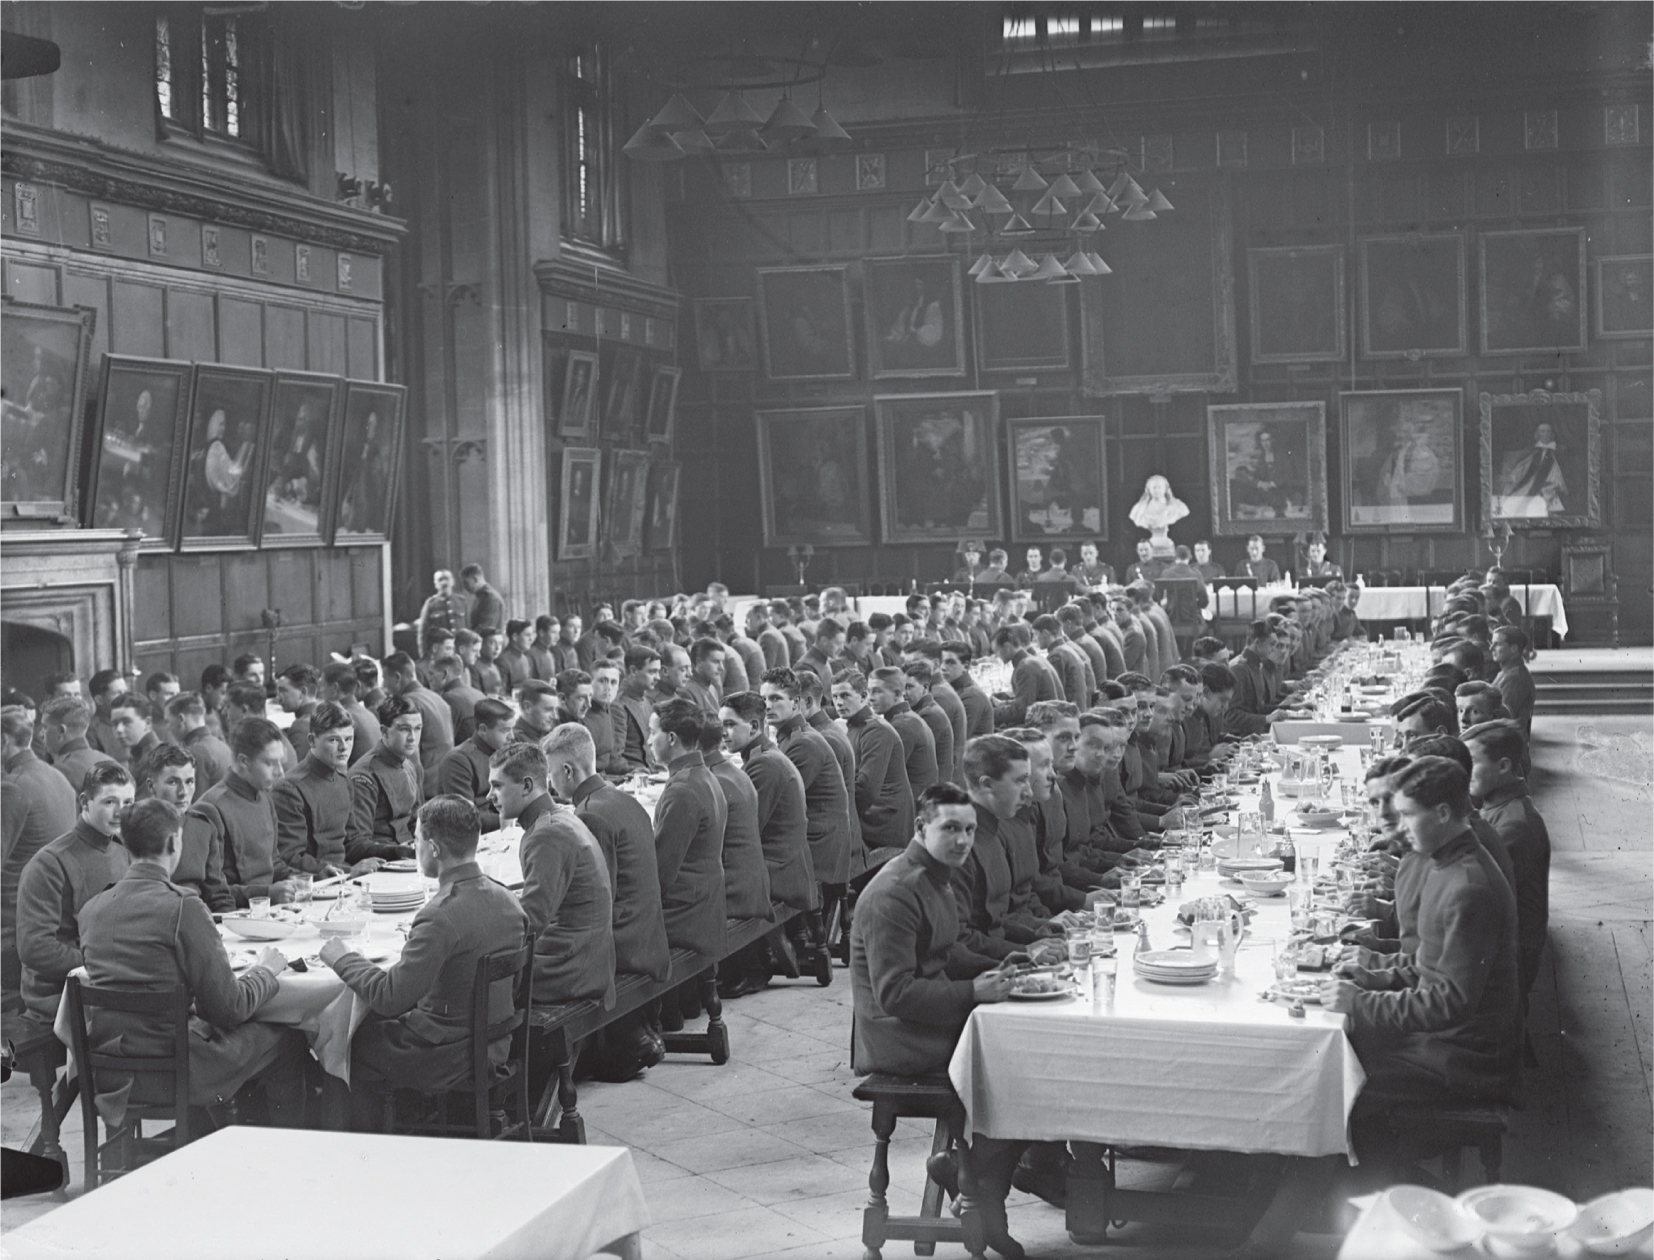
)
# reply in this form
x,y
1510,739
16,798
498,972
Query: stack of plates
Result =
x,y
1174,966
1231,868
395,894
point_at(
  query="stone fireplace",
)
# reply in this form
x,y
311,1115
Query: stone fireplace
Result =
x,y
66,595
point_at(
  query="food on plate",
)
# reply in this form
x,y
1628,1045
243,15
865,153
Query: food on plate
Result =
x,y
1030,985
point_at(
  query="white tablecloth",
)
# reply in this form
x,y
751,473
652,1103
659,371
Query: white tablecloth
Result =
x,y
1353,733
249,1193
1406,603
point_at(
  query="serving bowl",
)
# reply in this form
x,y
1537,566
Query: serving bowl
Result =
x,y
1617,1223
260,929
1265,884
341,926
1431,1219
1518,1220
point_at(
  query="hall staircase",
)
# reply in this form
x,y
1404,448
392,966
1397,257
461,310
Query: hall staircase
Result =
x,y
1595,680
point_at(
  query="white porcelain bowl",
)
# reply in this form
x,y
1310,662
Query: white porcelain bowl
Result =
x,y
1518,1220
340,926
260,929
1265,885
1431,1219
1617,1223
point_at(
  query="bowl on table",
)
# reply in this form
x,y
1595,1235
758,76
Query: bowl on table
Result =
x,y
1236,867
1321,741
1430,1218
341,926
1617,1223
1266,883
1315,818
1518,1220
252,929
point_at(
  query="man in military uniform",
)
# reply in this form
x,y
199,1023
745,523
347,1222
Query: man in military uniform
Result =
x,y
230,833
827,803
64,723
464,772
436,727
444,612
386,789
884,799
37,805
418,1035
689,833
315,823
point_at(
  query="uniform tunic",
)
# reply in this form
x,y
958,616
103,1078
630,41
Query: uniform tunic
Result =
x,y
689,840
982,888
783,826
74,758
827,804
229,845
912,988
419,1034
37,805
941,734
600,721
1073,672
746,874
212,758
464,773
436,736
569,902
1520,830
1515,685
979,710
385,792
918,747
839,742
632,711
947,700
315,825
365,728
626,836
883,798
148,934
58,881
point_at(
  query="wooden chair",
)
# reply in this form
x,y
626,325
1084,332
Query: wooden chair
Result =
x,y
39,1054
921,1097
489,1085
1385,577
172,1005
1427,1130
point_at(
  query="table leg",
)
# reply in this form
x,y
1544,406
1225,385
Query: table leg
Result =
x,y
627,1247
1089,1182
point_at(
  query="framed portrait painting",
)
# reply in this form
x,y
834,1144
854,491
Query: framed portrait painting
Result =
x,y
627,501
1403,461
806,316
1413,296
229,430
577,503
1022,327
915,317
304,425
1059,482
137,443
726,335
43,368
369,459
812,477
661,530
663,403
623,375
1533,291
938,465
1625,296
571,386
1297,303
1268,466
1542,459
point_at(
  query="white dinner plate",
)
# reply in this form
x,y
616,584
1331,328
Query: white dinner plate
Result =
x,y
1177,980
1043,997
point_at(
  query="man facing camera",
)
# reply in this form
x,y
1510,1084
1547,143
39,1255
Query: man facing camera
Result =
x,y
418,1035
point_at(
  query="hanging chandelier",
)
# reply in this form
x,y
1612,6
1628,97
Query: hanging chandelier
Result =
x,y
734,128
1034,218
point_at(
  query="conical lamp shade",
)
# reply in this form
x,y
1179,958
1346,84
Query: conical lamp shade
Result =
x,y
1029,181
980,265
1087,222
677,115
1139,212
1157,201
693,141
1101,204
732,114
938,213
1079,265
1049,269
827,129
994,275
787,122
953,197
1049,205
1103,269
745,140
1089,183
1016,225
1063,186
994,201
1134,191
649,145
1018,263
918,213
960,222
973,186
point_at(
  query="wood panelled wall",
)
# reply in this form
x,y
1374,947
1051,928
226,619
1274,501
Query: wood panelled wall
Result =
x,y
719,240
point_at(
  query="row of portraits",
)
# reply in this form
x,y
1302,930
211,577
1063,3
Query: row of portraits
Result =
x,y
194,456
937,464
608,392
1414,304
631,510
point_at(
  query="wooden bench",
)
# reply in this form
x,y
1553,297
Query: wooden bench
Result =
x,y
40,1054
565,1025
1449,1130
923,1097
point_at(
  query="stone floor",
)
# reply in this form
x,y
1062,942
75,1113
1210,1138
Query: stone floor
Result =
x,y
768,1155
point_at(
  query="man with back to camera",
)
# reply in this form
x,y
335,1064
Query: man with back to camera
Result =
x,y
487,606
37,805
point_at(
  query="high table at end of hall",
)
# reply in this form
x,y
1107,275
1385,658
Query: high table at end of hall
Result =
x,y
430,1199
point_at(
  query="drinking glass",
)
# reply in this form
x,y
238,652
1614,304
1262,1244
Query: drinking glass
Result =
x,y
1079,948
258,907
304,887
1286,961
1300,897
1174,872
1326,923
1220,784
1131,894
1208,859
1102,946
1103,971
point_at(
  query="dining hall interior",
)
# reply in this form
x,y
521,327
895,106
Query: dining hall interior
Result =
x,y
1008,628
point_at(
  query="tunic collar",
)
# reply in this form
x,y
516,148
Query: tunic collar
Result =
x,y
686,762
455,874
1509,792
586,789
795,723
246,791
534,810
937,872
87,834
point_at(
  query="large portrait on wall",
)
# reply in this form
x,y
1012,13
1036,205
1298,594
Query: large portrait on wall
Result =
x,y
623,377
812,477
806,316
1542,459
1533,291
1413,296
43,354
304,420
938,466
1403,461
1625,296
1022,327
137,439
224,461
369,460
1297,303
1164,321
571,390
577,503
1268,467
1059,482
663,403
915,317
726,335
661,531
627,502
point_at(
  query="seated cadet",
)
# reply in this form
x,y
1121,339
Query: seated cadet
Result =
x,y
600,718
37,805
1511,652
296,694
1037,888
1070,864
566,892
1252,702
813,695
829,803
168,774
341,685
1104,738
1447,1033
633,706
746,874
315,818
61,878
919,680
148,934
997,776
539,711
231,830
1496,780
1032,680
187,715
884,798
386,788
887,696
689,833
914,987
464,772
979,708
436,720
453,685
418,1035
783,826
64,722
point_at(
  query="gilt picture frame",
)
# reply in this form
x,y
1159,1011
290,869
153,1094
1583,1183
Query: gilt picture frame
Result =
x,y
1541,459
1268,468
43,381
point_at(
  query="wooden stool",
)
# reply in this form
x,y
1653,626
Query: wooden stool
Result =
x,y
1450,1130
40,1054
925,1097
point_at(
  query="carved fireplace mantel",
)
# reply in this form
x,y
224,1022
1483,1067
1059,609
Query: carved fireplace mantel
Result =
x,y
77,583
